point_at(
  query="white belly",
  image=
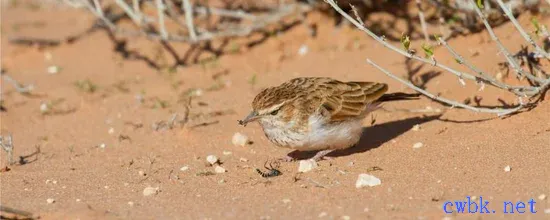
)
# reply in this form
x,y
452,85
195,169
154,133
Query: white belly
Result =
x,y
319,136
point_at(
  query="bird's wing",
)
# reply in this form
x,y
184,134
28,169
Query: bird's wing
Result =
x,y
345,100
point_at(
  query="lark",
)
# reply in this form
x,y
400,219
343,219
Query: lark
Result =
x,y
318,113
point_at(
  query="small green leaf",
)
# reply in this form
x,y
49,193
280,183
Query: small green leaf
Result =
x,y
458,61
538,28
480,4
405,41
428,50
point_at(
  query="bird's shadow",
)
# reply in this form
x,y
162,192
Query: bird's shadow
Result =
x,y
373,137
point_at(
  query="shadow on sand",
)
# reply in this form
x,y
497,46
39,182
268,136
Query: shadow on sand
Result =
x,y
373,137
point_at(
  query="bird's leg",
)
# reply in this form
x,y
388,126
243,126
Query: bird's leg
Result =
x,y
321,155
287,158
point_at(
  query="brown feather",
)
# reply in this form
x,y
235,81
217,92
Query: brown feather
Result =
x,y
350,100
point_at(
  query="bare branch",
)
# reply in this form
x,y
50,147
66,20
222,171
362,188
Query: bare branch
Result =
x,y
122,4
518,90
499,112
188,9
7,144
160,13
224,12
18,86
502,49
422,21
521,31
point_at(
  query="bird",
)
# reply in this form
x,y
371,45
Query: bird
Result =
x,y
319,114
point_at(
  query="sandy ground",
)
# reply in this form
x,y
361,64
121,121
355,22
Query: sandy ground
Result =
x,y
99,150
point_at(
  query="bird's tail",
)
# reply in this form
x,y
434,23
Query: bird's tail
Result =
x,y
398,96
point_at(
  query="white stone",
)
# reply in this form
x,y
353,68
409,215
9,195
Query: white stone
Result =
x,y
102,145
48,56
547,211
149,191
367,180
242,159
239,139
307,165
303,50
212,159
111,130
227,153
345,217
542,197
184,168
44,108
418,145
285,201
131,203
322,214
219,169
507,168
416,127
53,69
50,200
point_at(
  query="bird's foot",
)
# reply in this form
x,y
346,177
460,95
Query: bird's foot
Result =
x,y
286,158
321,155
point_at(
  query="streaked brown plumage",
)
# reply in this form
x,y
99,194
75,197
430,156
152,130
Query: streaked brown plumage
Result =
x,y
317,113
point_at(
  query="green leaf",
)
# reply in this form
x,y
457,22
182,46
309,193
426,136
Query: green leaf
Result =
x,y
428,50
480,4
405,41
538,28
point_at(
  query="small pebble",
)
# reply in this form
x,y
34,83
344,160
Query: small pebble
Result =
x,y
507,168
212,159
242,159
499,76
141,173
322,214
227,153
78,200
44,108
50,200
102,145
285,201
547,211
303,50
184,168
366,209
149,191
48,56
418,145
239,139
219,169
53,69
131,203
221,181
542,197
416,127
345,217
367,180
307,165
111,131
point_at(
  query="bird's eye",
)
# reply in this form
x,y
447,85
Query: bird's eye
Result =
x,y
275,112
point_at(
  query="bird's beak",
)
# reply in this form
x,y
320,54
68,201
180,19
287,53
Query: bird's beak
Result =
x,y
251,117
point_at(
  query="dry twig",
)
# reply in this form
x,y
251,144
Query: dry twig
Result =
x,y
521,91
